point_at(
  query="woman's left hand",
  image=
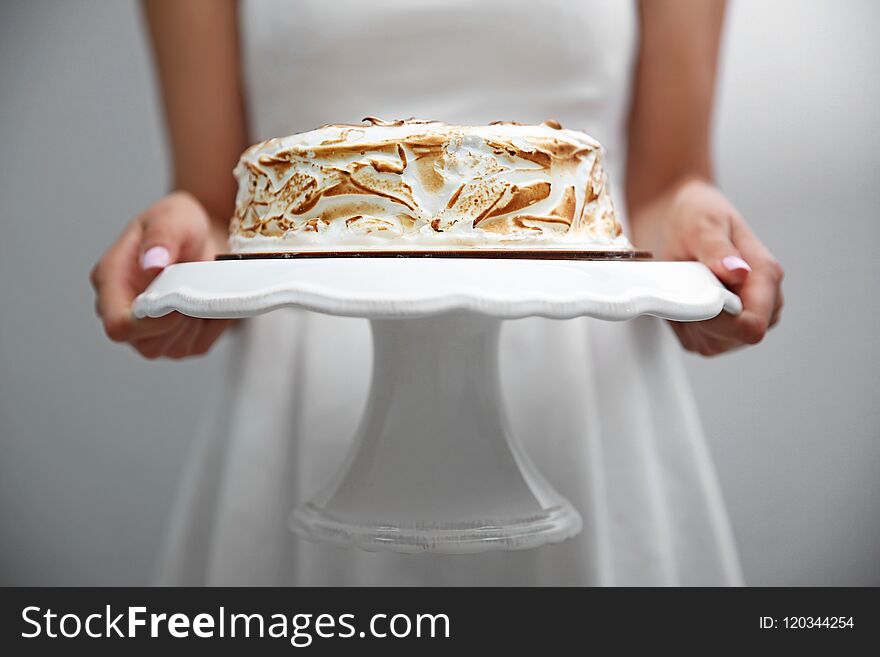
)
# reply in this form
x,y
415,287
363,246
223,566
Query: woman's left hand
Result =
x,y
697,222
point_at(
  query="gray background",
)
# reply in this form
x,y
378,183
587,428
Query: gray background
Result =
x,y
92,439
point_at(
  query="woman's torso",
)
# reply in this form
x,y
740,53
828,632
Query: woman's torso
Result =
x,y
603,409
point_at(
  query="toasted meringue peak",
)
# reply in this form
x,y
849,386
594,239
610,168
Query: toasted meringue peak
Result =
x,y
421,184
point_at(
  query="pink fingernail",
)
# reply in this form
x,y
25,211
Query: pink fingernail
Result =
x,y
732,263
156,258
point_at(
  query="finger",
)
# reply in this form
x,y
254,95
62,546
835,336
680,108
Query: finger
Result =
x,y
151,348
716,345
120,275
713,246
758,295
117,281
114,308
684,331
213,329
765,298
177,346
155,346
181,344
127,241
777,311
113,305
193,338
113,286
175,230
702,342
200,340
149,327
152,344
752,247
722,327
720,348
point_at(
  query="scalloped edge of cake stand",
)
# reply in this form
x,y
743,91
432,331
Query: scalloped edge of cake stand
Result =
x,y
413,287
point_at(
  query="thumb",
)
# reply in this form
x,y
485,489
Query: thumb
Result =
x,y
720,255
174,230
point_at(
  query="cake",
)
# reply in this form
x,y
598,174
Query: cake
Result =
x,y
416,185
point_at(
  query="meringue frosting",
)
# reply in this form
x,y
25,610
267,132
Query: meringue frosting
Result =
x,y
416,184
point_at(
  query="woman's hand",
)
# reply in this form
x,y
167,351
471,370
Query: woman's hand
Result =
x,y
176,229
697,222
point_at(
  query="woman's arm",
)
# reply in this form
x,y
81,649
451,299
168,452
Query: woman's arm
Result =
x,y
673,94
196,50
195,44
674,207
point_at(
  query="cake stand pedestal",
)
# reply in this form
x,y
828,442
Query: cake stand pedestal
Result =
x,y
433,466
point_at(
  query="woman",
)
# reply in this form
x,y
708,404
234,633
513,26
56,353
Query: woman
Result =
x,y
604,409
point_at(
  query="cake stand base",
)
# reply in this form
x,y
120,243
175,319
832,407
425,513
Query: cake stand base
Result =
x,y
434,467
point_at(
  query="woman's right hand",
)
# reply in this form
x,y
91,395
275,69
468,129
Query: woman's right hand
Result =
x,y
175,229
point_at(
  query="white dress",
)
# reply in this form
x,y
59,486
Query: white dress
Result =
x,y
604,409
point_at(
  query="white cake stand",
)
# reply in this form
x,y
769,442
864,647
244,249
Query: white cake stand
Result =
x,y
433,467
